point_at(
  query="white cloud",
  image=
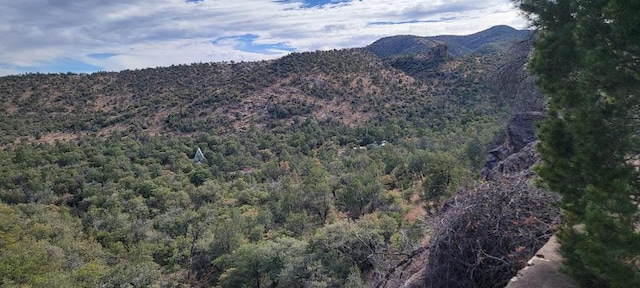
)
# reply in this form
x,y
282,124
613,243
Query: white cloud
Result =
x,y
164,32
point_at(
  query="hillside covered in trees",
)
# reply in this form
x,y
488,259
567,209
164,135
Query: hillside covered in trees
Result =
x,y
320,169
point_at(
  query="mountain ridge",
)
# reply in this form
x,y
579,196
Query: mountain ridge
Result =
x,y
491,40
351,86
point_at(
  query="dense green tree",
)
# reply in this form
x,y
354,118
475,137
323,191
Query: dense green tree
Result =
x,y
362,245
587,60
359,193
132,274
475,153
438,172
261,264
316,189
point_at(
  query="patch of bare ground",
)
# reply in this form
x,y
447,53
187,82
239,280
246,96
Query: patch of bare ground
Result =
x,y
416,209
10,104
102,103
111,129
451,65
257,104
155,123
344,113
50,138
25,95
108,103
11,107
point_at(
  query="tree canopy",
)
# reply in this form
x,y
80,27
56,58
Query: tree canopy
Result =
x,y
587,60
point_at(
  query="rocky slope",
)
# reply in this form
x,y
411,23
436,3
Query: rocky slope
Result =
x,y
517,153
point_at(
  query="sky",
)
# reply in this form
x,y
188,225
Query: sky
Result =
x,y
84,36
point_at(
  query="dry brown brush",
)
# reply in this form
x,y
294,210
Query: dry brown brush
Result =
x,y
489,233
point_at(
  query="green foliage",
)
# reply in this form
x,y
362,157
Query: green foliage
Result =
x,y
439,173
348,246
261,264
149,210
140,274
42,245
199,176
475,153
98,186
142,207
360,187
584,60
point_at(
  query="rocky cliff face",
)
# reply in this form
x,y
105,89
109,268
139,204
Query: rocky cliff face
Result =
x,y
517,153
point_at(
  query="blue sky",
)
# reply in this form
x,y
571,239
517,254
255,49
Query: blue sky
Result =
x,y
95,35
248,43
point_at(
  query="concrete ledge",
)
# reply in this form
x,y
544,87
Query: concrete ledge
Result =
x,y
543,270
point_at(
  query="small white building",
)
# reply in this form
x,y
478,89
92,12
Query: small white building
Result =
x,y
199,158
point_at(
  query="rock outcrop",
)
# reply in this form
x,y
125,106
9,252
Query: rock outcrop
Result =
x,y
517,153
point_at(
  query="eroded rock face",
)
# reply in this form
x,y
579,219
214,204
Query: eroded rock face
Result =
x,y
521,129
517,153
518,163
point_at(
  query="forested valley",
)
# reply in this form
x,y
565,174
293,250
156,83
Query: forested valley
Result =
x,y
320,169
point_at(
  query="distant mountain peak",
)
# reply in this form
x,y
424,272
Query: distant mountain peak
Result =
x,y
487,41
506,28
404,44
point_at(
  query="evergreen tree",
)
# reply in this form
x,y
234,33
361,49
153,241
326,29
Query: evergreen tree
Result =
x,y
587,57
